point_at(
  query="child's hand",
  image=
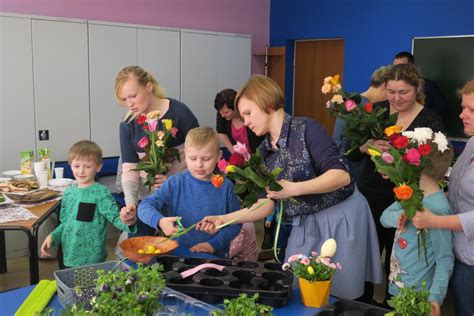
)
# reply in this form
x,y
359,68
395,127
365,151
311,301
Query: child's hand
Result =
x,y
202,247
128,214
159,180
209,223
167,225
401,223
435,309
46,246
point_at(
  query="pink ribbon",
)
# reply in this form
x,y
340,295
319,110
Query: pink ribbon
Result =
x,y
198,268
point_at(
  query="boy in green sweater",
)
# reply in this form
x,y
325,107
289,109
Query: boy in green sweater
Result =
x,y
85,209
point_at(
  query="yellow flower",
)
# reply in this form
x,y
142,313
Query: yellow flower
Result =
x,y
334,81
326,88
394,129
230,168
159,143
310,270
167,124
374,153
153,114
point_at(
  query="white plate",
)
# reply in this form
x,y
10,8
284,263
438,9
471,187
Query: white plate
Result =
x,y
4,179
65,182
24,177
11,173
6,202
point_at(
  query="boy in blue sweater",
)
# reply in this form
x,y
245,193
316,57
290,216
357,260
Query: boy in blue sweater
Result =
x,y
406,268
191,196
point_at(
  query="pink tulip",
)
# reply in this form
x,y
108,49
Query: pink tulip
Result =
x,y
222,164
143,142
387,157
350,105
242,149
152,124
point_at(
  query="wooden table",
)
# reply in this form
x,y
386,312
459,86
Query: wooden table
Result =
x,y
30,227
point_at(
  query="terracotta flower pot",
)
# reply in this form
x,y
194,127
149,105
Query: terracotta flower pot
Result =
x,y
314,294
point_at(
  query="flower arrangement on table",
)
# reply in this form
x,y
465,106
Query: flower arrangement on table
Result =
x,y
157,146
135,291
314,273
410,152
363,122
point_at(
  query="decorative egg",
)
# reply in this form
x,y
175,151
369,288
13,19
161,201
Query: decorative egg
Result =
x,y
328,249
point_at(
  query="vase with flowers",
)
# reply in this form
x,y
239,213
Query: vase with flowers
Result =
x,y
314,274
363,121
157,146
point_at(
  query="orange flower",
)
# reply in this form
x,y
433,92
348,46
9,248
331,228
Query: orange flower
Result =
x,y
403,192
217,180
394,129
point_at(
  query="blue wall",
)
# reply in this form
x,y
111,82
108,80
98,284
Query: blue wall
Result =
x,y
373,30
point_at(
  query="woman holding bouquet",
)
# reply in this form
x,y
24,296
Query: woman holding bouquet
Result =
x,y
404,89
461,199
324,203
138,90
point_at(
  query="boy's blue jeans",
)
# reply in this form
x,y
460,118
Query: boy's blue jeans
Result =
x,y
462,283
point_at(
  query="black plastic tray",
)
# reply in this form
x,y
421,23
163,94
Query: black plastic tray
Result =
x,y
212,286
352,308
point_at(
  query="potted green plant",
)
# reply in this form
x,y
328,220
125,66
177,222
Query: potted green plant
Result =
x,y
243,306
314,274
410,301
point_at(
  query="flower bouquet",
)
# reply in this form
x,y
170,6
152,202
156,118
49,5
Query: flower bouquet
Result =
x,y
363,122
314,274
409,154
157,146
249,175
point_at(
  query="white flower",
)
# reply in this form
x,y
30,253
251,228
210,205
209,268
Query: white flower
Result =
x,y
441,141
285,266
327,80
420,134
337,98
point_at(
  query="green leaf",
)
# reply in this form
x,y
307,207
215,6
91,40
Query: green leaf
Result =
x,y
255,178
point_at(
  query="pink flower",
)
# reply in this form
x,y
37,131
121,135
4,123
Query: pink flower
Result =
x,y
152,124
222,164
412,157
387,157
294,257
174,131
143,142
338,266
242,149
305,261
350,105
314,253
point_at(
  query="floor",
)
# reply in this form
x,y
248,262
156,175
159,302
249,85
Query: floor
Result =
x,y
18,275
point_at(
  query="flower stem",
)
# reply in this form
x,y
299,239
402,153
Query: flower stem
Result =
x,y
237,218
277,233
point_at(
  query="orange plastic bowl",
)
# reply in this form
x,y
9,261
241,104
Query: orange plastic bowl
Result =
x,y
131,246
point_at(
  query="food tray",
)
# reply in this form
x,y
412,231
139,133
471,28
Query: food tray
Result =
x,y
348,307
212,285
32,196
174,303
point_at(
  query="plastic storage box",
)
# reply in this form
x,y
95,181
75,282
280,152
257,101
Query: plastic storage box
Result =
x,y
174,303
352,308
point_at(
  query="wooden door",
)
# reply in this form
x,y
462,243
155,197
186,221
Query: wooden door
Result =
x,y
315,60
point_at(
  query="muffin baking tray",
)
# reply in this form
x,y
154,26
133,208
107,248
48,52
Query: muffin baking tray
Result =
x,y
352,308
212,286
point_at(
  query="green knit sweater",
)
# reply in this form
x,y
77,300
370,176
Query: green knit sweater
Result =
x,y
83,229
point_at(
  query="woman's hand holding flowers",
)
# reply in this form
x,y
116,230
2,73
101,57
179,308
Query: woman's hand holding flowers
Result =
x,y
285,193
167,225
424,219
380,144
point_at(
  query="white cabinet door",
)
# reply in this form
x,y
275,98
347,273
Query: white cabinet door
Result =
x,y
17,123
199,74
61,81
234,61
158,53
110,49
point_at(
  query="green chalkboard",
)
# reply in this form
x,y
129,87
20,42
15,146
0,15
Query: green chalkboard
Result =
x,y
450,62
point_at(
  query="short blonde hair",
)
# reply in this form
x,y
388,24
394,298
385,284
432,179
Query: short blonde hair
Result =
x,y
143,77
467,89
85,149
377,78
264,92
200,137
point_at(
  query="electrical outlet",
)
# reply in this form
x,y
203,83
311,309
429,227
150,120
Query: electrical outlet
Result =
x,y
43,134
